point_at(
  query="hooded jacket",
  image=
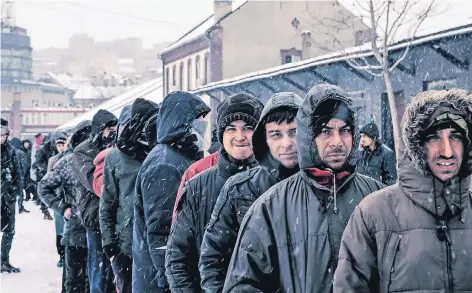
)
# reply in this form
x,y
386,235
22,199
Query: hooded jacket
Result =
x,y
119,180
62,177
289,238
414,236
46,151
11,168
22,157
237,196
379,164
157,184
27,151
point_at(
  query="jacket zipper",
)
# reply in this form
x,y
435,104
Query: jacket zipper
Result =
x,y
447,241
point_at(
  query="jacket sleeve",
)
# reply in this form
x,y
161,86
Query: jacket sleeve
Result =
x,y
109,204
182,255
185,178
40,162
253,263
218,242
389,168
48,185
19,182
357,265
159,185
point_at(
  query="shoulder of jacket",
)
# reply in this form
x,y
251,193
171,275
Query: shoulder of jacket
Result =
x,y
379,200
273,194
202,176
243,177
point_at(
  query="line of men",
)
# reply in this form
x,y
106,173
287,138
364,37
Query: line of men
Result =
x,y
280,206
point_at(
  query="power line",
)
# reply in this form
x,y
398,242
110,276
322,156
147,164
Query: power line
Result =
x,y
121,14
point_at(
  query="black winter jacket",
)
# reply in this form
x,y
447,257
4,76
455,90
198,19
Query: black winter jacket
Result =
x,y
193,213
379,164
157,184
238,194
12,176
116,202
414,236
42,156
289,238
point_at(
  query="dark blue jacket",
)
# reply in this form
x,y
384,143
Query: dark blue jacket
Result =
x,y
157,184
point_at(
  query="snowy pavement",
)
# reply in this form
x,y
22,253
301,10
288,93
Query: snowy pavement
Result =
x,y
34,252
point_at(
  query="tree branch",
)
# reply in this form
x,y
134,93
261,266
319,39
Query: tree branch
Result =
x,y
373,34
357,66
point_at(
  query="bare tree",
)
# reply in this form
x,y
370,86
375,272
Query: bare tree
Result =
x,y
389,22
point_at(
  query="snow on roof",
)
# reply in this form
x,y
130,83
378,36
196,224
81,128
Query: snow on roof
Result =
x,y
151,90
87,91
353,52
200,29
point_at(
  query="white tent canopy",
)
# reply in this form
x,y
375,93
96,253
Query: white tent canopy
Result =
x,y
151,90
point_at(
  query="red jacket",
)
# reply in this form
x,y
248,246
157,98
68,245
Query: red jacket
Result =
x,y
194,169
99,163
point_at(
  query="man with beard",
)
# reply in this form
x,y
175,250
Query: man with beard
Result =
x,y
416,236
65,203
179,118
275,148
289,238
119,179
376,160
237,118
103,134
11,182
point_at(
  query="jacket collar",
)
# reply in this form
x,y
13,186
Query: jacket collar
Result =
x,y
228,168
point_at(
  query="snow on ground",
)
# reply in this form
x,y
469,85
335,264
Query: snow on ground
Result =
x,y
34,252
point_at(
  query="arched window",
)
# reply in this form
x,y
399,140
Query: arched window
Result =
x,y
174,72
197,68
167,80
189,74
181,76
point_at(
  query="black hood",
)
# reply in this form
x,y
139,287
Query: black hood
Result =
x,y
176,115
23,143
308,156
276,101
15,142
422,111
102,119
80,133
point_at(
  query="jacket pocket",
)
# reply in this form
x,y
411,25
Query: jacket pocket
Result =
x,y
242,205
388,261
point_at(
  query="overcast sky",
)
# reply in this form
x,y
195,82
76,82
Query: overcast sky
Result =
x,y
50,23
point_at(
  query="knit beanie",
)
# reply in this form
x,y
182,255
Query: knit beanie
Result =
x,y
371,130
238,107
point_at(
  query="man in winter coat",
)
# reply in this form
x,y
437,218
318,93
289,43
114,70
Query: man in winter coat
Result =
x,y
417,235
26,148
65,203
31,188
23,160
116,202
237,118
376,160
46,151
11,182
103,134
275,147
289,238
157,184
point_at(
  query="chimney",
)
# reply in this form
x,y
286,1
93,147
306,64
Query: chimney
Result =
x,y
306,44
221,8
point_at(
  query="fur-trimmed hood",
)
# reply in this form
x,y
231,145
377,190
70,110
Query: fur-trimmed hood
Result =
x,y
422,110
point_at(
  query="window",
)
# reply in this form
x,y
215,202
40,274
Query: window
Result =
x,y
189,74
197,68
174,80
290,55
181,76
167,80
205,68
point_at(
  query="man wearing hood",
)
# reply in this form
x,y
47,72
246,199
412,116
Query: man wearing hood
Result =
x,y
157,184
11,182
119,179
103,134
237,118
275,148
23,160
416,236
65,203
376,160
289,238
45,152
26,148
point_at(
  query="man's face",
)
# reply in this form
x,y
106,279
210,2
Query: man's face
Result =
x,y
445,153
365,141
237,140
60,147
106,132
334,143
282,143
26,145
3,138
